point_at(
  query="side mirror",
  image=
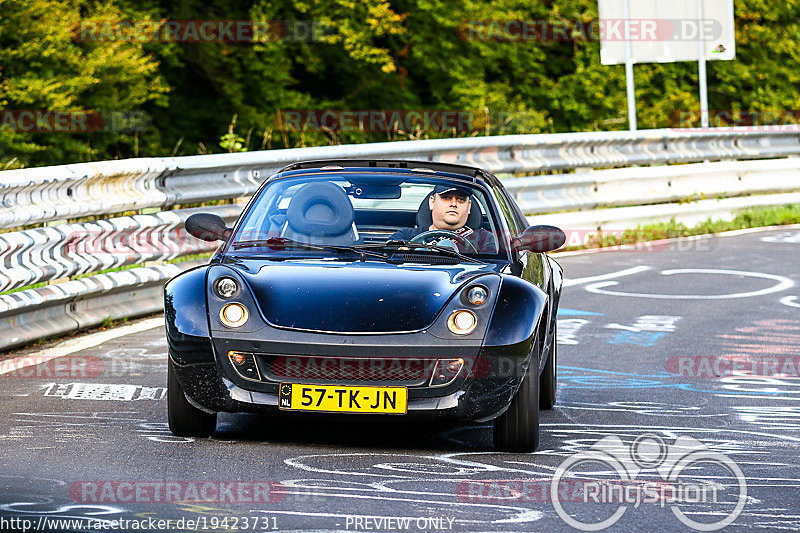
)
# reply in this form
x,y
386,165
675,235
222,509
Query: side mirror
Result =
x,y
207,227
540,239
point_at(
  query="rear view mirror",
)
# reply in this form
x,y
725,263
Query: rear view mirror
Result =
x,y
540,239
374,192
207,227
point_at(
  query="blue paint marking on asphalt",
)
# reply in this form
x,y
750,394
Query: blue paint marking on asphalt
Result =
x,y
569,379
639,338
576,312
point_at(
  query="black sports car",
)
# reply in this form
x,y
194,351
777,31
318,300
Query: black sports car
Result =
x,y
349,287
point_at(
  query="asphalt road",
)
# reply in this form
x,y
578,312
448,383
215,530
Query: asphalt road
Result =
x,y
689,347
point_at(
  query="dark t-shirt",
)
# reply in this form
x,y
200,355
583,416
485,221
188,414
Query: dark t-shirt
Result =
x,y
481,239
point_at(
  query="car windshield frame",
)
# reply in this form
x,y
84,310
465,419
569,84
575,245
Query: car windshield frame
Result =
x,y
500,230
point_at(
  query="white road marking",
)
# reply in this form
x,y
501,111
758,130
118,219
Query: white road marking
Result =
x,y
568,330
626,272
104,392
783,284
76,345
788,237
791,301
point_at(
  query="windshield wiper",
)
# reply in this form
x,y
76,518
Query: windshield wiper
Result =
x,y
399,245
276,243
280,243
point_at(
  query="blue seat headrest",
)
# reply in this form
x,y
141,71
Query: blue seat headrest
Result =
x,y
320,209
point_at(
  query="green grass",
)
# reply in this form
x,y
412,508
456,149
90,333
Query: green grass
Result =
x,y
26,287
190,257
109,322
754,217
106,271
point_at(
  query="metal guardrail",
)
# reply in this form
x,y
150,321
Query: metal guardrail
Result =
x,y
653,185
34,314
48,253
30,197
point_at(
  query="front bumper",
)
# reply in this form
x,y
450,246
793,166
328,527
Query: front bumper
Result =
x,y
480,392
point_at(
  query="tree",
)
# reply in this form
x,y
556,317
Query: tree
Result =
x,y
46,67
358,55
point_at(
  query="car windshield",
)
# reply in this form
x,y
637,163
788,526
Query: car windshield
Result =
x,y
323,215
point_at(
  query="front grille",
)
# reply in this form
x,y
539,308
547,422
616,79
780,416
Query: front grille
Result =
x,y
364,370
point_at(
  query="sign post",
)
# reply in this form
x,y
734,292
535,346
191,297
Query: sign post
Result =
x,y
701,68
629,82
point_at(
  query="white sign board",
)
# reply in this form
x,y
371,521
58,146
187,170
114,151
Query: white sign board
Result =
x,y
665,31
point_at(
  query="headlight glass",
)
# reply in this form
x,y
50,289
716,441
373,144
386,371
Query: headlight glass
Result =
x,y
233,315
462,322
477,295
226,287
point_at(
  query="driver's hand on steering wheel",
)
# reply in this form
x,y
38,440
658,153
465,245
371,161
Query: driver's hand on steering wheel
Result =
x,y
452,236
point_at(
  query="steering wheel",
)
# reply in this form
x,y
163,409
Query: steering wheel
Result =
x,y
422,237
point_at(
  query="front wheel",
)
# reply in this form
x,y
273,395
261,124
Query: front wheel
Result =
x,y
549,378
185,420
517,430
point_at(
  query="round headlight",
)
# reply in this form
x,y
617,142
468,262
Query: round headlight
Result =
x,y
233,315
462,322
477,295
226,287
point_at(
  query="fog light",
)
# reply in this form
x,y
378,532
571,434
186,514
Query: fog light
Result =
x,y
477,295
233,315
445,371
245,365
462,322
226,287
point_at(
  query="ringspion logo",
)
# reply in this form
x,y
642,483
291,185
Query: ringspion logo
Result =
x,y
682,476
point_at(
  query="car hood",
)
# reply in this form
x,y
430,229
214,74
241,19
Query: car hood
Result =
x,y
358,297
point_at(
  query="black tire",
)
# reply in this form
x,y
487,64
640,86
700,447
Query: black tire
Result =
x,y
548,381
517,430
185,420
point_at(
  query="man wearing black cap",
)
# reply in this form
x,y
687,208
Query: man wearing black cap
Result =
x,y
450,208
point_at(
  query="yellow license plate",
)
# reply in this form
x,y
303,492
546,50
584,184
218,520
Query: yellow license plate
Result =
x,y
342,399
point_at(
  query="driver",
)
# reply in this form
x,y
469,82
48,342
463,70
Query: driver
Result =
x,y
450,207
